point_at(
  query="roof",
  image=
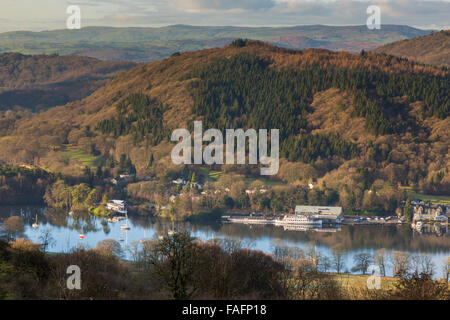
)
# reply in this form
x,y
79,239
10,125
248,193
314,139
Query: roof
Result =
x,y
118,201
319,210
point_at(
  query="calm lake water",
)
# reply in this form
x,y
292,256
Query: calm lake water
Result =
x,y
355,239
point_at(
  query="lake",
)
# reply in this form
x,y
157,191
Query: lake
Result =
x,y
65,229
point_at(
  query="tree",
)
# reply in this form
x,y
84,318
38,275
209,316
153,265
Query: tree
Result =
x,y
401,263
379,258
46,238
422,264
407,210
362,262
110,247
338,256
13,227
325,263
420,287
99,172
446,269
173,259
150,162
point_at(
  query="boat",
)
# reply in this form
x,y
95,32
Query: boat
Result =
x,y
81,235
249,220
117,206
35,225
125,226
143,240
298,220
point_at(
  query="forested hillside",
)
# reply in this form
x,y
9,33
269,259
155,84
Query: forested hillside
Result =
x,y
43,81
352,123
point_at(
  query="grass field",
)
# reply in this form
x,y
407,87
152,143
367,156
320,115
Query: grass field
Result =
x,y
215,175
72,152
356,281
433,199
267,182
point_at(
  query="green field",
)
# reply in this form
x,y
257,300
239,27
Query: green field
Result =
x,y
72,152
431,198
267,182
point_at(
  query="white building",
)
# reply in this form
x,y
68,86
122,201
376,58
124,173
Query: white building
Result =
x,y
319,212
117,205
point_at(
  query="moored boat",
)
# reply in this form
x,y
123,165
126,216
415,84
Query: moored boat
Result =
x,y
298,220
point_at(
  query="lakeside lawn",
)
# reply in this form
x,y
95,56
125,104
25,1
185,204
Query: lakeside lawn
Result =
x,y
72,152
445,200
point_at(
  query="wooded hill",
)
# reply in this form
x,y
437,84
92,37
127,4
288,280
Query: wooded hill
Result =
x,y
43,81
431,49
352,118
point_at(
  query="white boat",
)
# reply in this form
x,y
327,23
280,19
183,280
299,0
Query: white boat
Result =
x,y
298,220
143,240
125,226
117,206
249,220
35,225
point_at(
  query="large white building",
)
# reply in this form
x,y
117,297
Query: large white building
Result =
x,y
320,212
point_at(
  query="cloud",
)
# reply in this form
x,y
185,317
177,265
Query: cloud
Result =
x,y
223,12
223,5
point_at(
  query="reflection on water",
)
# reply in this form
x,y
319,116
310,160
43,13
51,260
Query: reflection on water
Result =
x,y
66,229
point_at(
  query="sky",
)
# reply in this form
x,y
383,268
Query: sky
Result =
x,y
38,15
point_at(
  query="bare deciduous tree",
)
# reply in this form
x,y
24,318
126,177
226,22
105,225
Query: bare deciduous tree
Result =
x,y
362,262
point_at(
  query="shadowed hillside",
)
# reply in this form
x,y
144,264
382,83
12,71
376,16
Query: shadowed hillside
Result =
x,y
43,81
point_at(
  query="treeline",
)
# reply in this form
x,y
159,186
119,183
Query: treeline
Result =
x,y
180,267
21,185
245,92
309,147
80,196
137,115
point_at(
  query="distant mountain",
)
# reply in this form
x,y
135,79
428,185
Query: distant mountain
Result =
x,y
149,44
431,49
43,81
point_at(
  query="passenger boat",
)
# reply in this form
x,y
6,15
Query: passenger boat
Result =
x,y
298,220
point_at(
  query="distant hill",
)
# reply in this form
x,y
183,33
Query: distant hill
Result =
x,y
149,44
431,49
43,81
